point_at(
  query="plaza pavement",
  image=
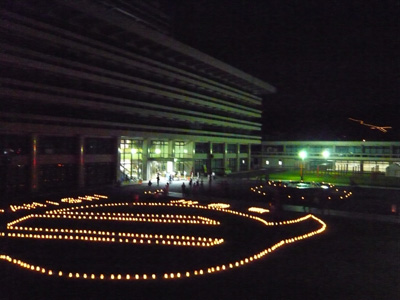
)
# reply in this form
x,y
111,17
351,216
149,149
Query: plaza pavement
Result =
x,y
214,192
354,260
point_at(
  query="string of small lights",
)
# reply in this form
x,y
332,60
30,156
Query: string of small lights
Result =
x,y
57,214
259,210
158,191
28,206
35,205
180,219
120,237
219,205
80,199
341,194
174,275
138,238
184,202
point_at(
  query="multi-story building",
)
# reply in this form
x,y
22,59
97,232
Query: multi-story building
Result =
x,y
93,92
337,156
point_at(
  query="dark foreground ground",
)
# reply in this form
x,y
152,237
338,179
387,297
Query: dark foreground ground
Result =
x,y
353,259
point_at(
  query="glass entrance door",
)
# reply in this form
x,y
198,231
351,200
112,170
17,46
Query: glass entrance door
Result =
x,y
131,160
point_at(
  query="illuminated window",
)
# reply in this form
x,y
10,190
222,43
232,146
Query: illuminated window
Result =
x,y
131,160
292,149
159,149
183,149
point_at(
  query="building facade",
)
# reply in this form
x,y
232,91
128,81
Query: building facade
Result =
x,y
331,156
95,92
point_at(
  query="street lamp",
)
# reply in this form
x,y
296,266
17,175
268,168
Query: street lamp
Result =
x,y
325,155
302,155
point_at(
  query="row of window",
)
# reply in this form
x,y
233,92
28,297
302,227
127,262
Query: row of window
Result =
x,y
51,177
290,149
220,148
98,61
217,165
21,145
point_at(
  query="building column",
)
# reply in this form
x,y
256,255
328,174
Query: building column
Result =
x,y
210,158
81,162
145,153
224,162
249,158
171,152
171,155
238,158
118,159
34,167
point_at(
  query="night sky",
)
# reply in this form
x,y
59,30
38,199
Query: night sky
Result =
x,y
329,60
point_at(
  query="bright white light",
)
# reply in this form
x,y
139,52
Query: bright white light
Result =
x,y
267,162
169,166
157,151
326,154
133,151
280,163
303,154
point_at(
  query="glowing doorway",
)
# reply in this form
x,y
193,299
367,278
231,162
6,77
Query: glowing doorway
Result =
x,y
130,160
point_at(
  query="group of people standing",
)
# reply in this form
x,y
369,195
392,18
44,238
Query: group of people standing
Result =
x,y
193,186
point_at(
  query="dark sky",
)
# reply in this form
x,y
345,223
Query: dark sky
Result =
x,y
330,60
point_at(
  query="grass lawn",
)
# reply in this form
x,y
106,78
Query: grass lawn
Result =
x,y
372,179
